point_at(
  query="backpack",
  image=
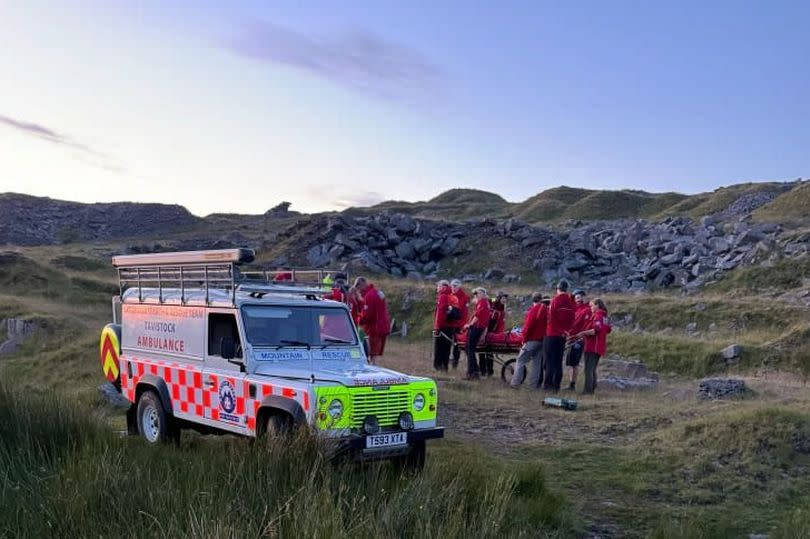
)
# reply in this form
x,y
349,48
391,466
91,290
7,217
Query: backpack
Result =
x,y
453,309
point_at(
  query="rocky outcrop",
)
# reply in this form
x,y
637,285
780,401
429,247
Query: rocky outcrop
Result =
x,y
722,388
27,220
17,331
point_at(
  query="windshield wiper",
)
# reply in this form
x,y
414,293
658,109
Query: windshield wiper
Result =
x,y
286,342
330,341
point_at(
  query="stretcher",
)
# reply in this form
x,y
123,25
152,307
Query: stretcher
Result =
x,y
498,347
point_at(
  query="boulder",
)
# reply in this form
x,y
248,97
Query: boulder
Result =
x,y
405,250
318,255
403,223
111,394
722,388
730,352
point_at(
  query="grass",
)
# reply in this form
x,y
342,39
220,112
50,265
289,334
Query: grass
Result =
x,y
625,464
789,208
68,475
783,275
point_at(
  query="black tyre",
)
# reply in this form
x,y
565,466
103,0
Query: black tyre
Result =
x,y
153,422
413,462
508,370
276,425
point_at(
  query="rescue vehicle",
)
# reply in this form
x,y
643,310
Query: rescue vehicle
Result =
x,y
198,341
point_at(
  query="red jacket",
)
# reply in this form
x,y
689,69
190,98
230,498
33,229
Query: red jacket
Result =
x,y
440,320
463,305
481,314
582,318
356,306
336,294
534,326
597,343
560,315
374,318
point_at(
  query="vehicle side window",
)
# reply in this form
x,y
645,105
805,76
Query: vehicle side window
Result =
x,y
220,326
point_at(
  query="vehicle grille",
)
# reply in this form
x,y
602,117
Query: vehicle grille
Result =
x,y
386,405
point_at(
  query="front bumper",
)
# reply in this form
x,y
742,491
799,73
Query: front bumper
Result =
x,y
355,445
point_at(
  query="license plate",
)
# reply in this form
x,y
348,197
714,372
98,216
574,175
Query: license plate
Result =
x,y
387,439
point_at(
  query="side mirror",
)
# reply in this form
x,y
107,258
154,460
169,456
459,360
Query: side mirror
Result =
x,y
227,348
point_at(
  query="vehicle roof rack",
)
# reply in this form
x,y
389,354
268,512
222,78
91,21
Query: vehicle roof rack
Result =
x,y
216,270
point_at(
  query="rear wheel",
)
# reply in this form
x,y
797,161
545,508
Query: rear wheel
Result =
x,y
413,462
508,370
153,422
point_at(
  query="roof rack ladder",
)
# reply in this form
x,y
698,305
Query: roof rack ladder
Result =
x,y
207,302
182,287
140,289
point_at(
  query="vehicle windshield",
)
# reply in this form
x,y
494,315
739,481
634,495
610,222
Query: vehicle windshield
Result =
x,y
298,326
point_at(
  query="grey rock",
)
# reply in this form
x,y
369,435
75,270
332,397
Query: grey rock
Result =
x,y
733,351
111,394
719,245
722,388
403,223
448,246
405,250
627,384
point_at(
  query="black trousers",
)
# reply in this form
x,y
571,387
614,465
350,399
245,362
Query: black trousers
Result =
x,y
591,362
442,343
456,350
553,350
473,336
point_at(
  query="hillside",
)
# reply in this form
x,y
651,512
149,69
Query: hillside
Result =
x,y
561,204
29,220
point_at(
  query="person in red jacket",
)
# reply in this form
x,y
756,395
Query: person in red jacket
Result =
x,y
496,326
355,300
443,326
476,328
582,319
374,318
534,329
463,304
595,342
560,319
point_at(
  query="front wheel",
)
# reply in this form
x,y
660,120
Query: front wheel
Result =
x,y
508,370
413,462
153,422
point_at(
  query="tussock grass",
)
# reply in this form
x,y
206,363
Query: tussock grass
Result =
x,y
66,475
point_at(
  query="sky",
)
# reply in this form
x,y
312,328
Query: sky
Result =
x,y
237,106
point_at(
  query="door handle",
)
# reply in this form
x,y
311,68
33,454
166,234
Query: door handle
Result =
x,y
210,382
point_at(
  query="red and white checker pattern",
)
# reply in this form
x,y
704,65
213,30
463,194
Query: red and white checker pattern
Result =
x,y
191,397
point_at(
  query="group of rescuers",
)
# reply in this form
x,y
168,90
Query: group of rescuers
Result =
x,y
566,325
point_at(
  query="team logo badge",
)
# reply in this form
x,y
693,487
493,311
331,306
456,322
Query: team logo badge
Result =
x,y
227,397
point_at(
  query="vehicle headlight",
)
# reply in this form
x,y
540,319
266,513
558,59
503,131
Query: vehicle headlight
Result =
x,y
418,402
335,409
405,421
371,425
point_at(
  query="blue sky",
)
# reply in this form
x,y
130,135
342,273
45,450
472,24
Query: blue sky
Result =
x,y
238,106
